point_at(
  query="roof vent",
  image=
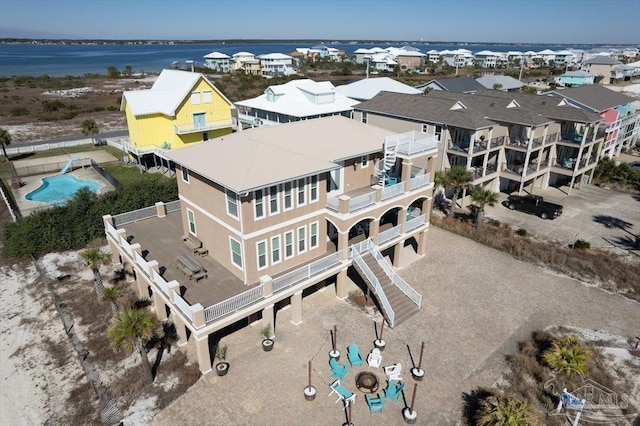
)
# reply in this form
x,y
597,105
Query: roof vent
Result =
x,y
513,104
458,105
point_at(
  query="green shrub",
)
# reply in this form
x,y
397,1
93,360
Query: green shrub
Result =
x,y
580,245
51,106
522,232
493,222
18,112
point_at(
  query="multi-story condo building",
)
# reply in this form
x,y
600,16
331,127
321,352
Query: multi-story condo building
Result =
x,y
603,67
510,141
619,112
180,109
280,211
294,101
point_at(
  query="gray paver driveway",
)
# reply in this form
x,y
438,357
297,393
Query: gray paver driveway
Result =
x,y
477,302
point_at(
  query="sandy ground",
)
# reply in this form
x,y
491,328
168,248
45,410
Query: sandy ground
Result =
x,y
35,385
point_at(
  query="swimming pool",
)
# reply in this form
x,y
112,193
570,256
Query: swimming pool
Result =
x,y
57,190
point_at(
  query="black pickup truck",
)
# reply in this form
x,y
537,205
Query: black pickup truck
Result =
x,y
534,204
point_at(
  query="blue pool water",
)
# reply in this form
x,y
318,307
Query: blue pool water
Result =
x,y
58,190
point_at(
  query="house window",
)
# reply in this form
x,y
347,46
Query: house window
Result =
x,y
236,252
258,202
302,239
313,235
191,218
195,98
438,132
425,127
302,192
206,97
275,249
364,117
232,203
288,245
274,205
365,161
288,196
261,251
185,174
313,189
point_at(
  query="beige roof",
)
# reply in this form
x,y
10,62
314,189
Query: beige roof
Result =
x,y
256,158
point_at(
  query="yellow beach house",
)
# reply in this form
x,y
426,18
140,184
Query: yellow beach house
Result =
x,y
180,109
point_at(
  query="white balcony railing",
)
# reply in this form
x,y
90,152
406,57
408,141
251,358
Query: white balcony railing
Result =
x,y
233,304
392,191
203,127
306,272
416,222
388,234
410,143
419,181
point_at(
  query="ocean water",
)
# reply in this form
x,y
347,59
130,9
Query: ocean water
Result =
x,y
77,60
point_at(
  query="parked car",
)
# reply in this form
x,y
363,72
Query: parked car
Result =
x,y
99,141
534,204
635,166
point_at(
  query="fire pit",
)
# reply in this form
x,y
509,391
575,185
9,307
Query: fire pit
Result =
x,y
367,382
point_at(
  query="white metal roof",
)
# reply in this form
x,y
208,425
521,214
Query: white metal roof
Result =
x,y
369,87
166,94
275,56
292,100
216,55
239,54
260,157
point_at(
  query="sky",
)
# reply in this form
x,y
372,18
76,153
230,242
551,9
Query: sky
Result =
x,y
510,21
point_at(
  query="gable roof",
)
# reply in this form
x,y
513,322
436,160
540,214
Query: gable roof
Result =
x,y
369,87
293,101
602,60
456,84
507,82
595,97
167,93
260,157
216,55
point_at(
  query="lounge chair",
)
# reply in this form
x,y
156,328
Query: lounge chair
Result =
x,y
374,359
394,390
343,393
375,403
338,369
354,355
393,372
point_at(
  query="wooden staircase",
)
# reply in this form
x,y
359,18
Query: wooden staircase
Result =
x,y
402,306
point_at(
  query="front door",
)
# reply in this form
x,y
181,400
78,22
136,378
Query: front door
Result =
x,y
199,120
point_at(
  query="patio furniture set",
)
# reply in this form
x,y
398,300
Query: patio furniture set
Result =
x,y
366,381
188,265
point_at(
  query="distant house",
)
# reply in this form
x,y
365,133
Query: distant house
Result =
x,y
239,59
602,67
500,82
455,84
410,60
362,55
276,64
576,78
294,101
488,59
180,109
218,62
621,118
367,88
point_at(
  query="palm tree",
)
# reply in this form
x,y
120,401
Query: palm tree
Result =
x,y
113,294
132,329
458,177
499,411
483,197
89,128
93,258
5,139
567,355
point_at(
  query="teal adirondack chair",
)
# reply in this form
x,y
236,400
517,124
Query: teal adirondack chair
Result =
x,y
394,390
338,369
375,403
353,353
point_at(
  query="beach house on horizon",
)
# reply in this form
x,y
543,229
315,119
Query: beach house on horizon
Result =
x,y
287,209
180,109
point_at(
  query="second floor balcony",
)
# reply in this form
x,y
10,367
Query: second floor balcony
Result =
x,y
204,126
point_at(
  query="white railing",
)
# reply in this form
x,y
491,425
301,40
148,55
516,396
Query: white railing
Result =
x,y
394,277
392,191
209,125
362,201
377,288
413,142
127,247
172,206
143,263
135,215
233,304
305,272
389,234
162,283
333,203
420,181
46,146
414,223
112,231
183,306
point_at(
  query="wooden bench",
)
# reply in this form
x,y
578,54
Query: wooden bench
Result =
x,y
190,268
201,251
191,242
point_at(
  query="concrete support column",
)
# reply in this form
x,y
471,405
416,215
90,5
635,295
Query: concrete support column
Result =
x,y
402,220
181,330
374,230
405,175
268,319
341,285
397,254
343,243
161,311
296,308
422,243
113,249
204,356
142,286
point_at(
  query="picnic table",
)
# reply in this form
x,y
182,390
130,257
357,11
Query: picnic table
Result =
x,y
190,267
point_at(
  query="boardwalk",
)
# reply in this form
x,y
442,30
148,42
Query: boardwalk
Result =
x,y
477,303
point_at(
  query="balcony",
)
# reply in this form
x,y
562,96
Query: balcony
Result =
x,y
537,142
551,138
411,143
497,142
204,127
518,142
